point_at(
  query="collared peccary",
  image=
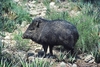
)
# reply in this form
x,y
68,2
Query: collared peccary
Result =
x,y
49,33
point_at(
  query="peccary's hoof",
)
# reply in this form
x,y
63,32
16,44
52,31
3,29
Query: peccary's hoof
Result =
x,y
30,54
50,56
41,53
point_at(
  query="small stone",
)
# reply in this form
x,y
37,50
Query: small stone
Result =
x,y
16,0
30,5
31,58
33,12
30,53
62,64
89,58
53,6
33,2
23,23
42,14
52,3
74,65
38,49
7,38
44,8
92,61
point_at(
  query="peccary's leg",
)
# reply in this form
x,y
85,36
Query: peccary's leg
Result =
x,y
45,48
51,53
68,47
50,50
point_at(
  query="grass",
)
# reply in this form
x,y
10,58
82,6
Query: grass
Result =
x,y
21,44
4,64
37,63
11,14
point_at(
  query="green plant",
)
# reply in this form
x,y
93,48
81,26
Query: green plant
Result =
x,y
61,56
96,54
21,43
37,63
3,58
22,14
0,49
11,14
71,58
4,63
88,33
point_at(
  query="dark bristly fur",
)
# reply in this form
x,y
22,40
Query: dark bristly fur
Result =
x,y
49,33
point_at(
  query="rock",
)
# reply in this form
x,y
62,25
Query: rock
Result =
x,y
82,63
32,2
82,56
52,3
74,65
42,14
89,59
92,61
31,58
32,13
23,24
74,13
16,0
62,64
44,9
30,53
30,5
7,38
38,49
4,42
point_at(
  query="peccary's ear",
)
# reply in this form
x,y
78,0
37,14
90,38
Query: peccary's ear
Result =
x,y
38,21
37,24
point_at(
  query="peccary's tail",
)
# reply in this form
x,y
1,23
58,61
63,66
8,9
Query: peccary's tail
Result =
x,y
76,37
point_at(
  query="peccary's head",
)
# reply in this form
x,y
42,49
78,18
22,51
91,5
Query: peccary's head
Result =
x,y
31,30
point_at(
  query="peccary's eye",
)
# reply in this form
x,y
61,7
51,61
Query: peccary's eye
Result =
x,y
30,31
32,28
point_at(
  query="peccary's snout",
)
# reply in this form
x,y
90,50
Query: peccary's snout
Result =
x,y
24,36
27,35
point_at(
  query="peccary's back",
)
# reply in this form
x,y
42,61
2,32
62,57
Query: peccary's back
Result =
x,y
58,32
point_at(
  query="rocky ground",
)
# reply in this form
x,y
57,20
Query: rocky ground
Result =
x,y
35,10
